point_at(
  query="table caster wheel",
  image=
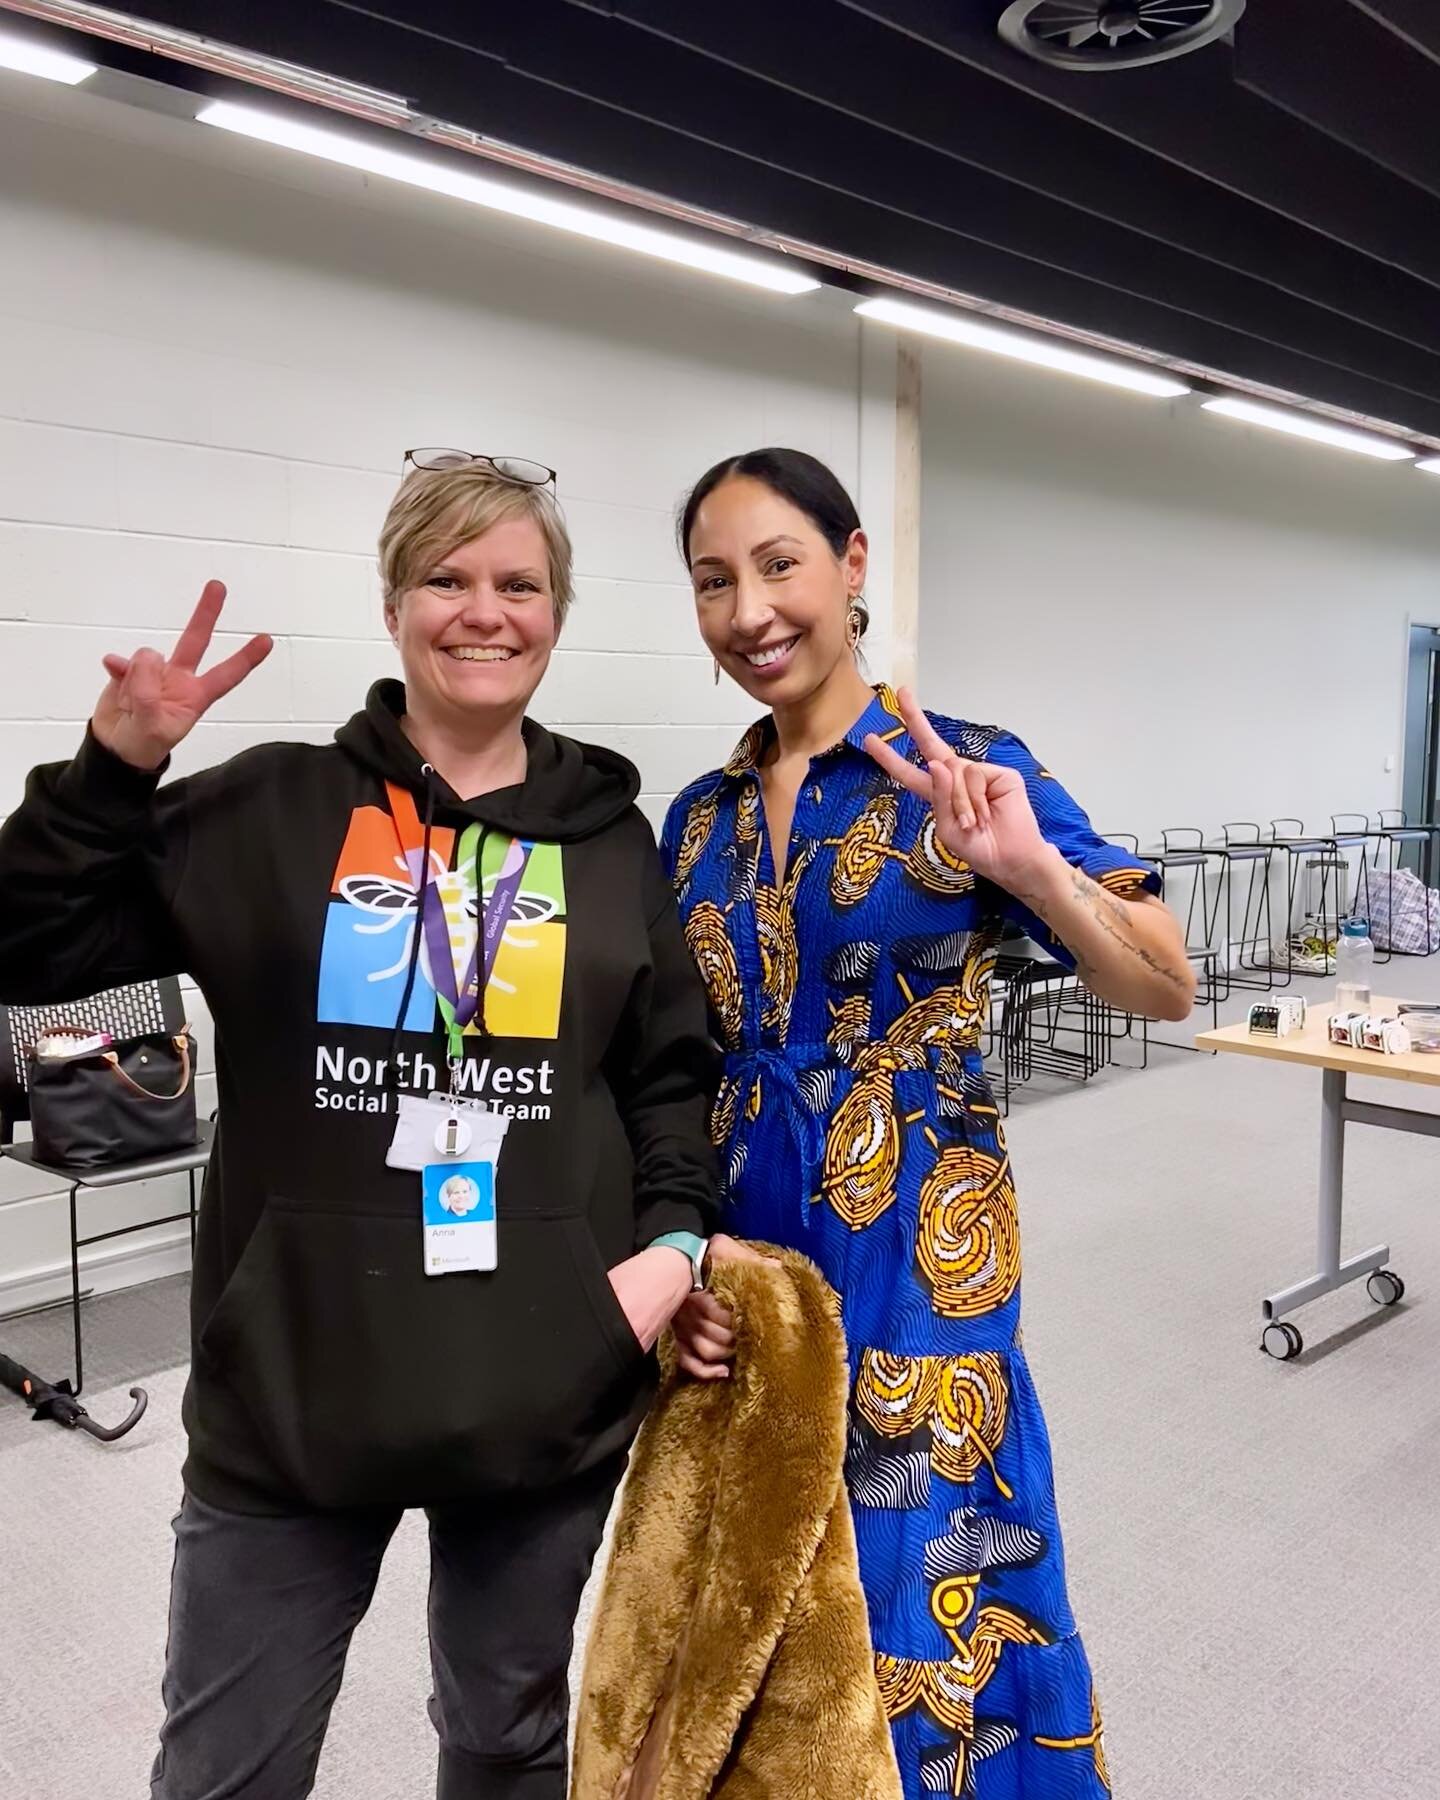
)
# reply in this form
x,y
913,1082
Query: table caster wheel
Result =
x,y
1385,1287
1282,1341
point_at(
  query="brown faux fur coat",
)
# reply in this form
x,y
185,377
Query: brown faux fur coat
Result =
x,y
730,1654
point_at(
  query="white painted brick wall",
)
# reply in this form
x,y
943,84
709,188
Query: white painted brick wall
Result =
x,y
212,355
1174,609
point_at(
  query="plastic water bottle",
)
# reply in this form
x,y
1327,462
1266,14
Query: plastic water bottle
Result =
x,y
1354,961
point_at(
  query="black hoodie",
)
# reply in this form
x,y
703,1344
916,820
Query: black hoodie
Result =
x,y
327,1368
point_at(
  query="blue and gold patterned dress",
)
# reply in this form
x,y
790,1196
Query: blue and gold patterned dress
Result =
x,y
855,1124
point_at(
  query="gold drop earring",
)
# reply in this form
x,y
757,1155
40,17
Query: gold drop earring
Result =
x,y
854,624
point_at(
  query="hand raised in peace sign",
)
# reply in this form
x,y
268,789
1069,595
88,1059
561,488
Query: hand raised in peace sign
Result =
x,y
982,812
150,702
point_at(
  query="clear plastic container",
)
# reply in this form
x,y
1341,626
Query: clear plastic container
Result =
x,y
1424,1028
1354,965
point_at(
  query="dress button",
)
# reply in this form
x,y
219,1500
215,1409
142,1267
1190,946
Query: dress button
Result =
x,y
815,795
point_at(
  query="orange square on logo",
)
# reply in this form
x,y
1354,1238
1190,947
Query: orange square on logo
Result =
x,y
372,849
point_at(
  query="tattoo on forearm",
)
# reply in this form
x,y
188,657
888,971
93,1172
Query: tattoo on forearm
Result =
x,y
1100,898
1113,918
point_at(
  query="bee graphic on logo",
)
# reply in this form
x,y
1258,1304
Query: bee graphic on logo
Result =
x,y
391,900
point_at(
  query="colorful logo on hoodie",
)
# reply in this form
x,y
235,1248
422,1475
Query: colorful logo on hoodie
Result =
x,y
372,921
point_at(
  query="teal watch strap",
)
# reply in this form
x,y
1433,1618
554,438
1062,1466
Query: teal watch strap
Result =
x,y
690,1245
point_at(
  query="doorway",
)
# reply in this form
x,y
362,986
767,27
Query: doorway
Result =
x,y
1421,793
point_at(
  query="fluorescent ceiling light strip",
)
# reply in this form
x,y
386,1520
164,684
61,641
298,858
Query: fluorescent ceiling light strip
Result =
x,y
958,328
1273,418
440,178
29,58
213,53
1430,464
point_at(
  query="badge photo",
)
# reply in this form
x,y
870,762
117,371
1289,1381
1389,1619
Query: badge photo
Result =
x,y
459,1217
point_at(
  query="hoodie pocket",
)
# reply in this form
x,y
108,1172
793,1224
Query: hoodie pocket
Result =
x,y
594,1280
369,1381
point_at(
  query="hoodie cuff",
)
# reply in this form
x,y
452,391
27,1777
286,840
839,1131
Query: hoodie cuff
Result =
x,y
100,785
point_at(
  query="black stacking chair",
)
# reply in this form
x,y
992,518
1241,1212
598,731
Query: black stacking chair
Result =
x,y
1180,853
125,1012
1305,852
1352,831
1243,850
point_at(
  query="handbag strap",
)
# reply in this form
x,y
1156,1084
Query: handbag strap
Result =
x,y
182,1044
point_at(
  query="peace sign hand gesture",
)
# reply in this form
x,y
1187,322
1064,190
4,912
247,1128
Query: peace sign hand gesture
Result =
x,y
150,704
982,812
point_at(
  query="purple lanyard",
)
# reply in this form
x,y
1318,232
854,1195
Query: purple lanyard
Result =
x,y
494,915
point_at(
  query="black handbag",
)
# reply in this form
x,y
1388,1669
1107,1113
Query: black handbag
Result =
x,y
124,1103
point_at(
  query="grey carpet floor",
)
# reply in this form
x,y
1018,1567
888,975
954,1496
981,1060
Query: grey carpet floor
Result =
x,y
1254,1549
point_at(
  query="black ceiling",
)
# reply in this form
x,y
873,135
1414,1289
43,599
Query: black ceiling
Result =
x,y
1268,208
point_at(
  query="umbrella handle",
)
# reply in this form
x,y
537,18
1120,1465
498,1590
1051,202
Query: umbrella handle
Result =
x,y
107,1434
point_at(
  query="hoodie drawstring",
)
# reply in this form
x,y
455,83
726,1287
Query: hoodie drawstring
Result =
x,y
419,931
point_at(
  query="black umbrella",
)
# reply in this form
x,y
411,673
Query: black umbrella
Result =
x,y
57,1401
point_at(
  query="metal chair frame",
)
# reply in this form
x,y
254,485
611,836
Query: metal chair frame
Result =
x,y
126,1012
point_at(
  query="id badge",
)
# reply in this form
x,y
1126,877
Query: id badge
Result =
x,y
459,1217
453,1144
431,1126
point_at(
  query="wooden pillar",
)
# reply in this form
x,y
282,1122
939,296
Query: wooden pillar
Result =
x,y
888,495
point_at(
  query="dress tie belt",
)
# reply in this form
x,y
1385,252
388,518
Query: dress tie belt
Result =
x,y
745,1067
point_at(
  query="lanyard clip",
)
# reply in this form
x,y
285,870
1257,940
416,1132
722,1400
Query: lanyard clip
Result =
x,y
454,1054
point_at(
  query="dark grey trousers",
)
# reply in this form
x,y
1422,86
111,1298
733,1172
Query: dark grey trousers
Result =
x,y
261,1614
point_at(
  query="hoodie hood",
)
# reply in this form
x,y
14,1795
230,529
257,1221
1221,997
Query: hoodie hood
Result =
x,y
570,792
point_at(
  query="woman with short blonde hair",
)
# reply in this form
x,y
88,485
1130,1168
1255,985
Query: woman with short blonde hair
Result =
x,y
443,503
461,1177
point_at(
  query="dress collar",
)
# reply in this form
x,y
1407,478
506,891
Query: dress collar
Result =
x,y
881,716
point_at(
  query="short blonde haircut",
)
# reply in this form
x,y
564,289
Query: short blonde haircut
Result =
x,y
437,510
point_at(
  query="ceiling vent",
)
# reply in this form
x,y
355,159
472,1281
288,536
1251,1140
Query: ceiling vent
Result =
x,y
1114,34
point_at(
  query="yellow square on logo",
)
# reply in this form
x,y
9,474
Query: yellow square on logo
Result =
x,y
523,998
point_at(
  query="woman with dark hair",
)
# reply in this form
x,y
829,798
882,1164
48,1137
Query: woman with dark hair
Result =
x,y
843,881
